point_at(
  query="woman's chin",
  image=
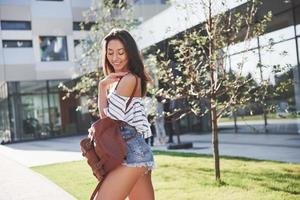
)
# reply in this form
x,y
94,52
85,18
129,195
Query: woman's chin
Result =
x,y
120,68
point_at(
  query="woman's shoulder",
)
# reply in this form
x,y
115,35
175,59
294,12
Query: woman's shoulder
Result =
x,y
127,84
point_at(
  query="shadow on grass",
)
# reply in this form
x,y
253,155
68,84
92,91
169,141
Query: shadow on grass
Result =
x,y
284,180
272,180
184,154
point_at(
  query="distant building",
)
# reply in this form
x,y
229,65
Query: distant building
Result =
x,y
284,30
37,52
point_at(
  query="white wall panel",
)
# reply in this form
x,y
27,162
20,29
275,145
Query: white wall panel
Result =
x,y
16,35
81,3
51,18
15,12
20,72
18,56
2,73
55,70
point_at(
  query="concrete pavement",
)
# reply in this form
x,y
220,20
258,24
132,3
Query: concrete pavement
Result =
x,y
18,182
276,147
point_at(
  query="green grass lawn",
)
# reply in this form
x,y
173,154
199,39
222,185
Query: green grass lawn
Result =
x,y
181,176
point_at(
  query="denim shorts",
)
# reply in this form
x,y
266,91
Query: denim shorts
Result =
x,y
139,152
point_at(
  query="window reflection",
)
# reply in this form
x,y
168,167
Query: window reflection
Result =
x,y
284,101
297,17
246,63
33,87
55,113
15,25
5,134
282,54
277,36
35,116
242,46
298,47
53,48
16,43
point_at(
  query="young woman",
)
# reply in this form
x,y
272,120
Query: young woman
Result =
x,y
124,69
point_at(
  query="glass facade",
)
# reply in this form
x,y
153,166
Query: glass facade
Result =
x,y
283,117
17,43
35,110
15,25
53,48
4,115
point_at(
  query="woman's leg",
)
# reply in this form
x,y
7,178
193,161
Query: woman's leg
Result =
x,y
119,183
143,189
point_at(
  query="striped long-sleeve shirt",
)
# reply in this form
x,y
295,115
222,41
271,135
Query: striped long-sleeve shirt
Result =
x,y
134,115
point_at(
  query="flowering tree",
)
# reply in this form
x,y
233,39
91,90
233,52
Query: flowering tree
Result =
x,y
102,16
195,70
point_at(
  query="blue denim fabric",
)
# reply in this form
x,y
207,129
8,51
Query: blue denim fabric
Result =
x,y
139,152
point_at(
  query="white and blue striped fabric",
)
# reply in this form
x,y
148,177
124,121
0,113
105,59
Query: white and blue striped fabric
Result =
x,y
134,115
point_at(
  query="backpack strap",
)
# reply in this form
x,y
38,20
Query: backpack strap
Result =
x,y
133,92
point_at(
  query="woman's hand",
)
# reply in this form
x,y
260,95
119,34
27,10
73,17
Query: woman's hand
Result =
x,y
111,78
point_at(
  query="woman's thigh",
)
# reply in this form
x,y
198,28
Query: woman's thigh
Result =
x,y
119,182
143,189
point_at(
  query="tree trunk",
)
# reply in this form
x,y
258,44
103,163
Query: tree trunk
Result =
x,y
215,141
213,100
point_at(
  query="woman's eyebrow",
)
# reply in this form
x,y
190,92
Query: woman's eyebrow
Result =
x,y
117,49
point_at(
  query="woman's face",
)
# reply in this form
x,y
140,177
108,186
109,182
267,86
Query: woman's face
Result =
x,y
117,55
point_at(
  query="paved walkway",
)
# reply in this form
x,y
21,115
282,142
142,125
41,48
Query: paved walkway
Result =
x,y
18,182
285,148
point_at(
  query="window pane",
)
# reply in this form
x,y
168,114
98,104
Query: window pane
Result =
x,y
298,39
297,16
277,36
33,87
16,43
242,46
283,53
53,85
35,116
280,28
15,25
5,133
246,63
285,102
55,113
53,48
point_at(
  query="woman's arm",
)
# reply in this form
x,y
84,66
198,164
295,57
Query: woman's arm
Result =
x,y
102,99
102,90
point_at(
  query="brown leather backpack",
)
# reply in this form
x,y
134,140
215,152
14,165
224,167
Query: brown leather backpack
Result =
x,y
106,149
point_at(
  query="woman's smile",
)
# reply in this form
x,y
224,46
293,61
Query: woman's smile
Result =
x,y
117,55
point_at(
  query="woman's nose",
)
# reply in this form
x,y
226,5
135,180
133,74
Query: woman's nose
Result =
x,y
115,56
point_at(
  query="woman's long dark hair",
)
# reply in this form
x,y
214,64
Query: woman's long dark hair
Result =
x,y
135,62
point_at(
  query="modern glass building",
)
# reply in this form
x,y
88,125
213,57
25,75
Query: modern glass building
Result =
x,y
283,31
38,50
